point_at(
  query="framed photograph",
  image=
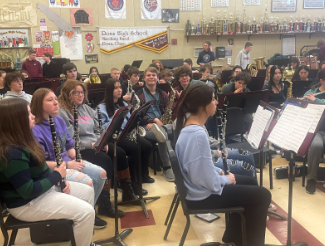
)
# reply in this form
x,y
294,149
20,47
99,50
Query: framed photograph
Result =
x,y
91,58
170,15
314,4
197,51
284,6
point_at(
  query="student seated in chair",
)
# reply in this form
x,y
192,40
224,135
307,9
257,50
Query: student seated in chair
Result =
x,y
207,186
316,148
14,85
29,187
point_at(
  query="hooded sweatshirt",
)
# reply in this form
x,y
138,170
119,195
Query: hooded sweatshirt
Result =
x,y
23,95
43,135
87,122
243,59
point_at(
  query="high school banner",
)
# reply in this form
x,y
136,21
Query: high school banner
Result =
x,y
18,15
113,39
150,9
115,9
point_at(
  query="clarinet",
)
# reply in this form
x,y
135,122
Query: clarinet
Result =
x,y
222,122
101,129
76,134
57,148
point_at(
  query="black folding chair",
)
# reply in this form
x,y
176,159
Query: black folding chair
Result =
x,y
187,209
14,225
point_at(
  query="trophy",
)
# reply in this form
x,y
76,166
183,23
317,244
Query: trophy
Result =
x,y
218,24
308,23
198,32
266,20
254,26
204,26
297,25
261,29
188,27
249,26
312,27
319,24
244,21
290,25
212,29
231,25
238,25
225,24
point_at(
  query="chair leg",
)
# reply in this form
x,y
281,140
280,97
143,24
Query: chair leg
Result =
x,y
226,218
187,227
270,171
13,237
5,235
73,241
154,160
171,208
243,229
304,171
172,218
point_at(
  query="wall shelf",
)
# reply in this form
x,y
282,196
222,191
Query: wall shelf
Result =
x,y
249,35
7,48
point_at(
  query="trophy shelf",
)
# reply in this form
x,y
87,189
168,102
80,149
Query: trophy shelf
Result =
x,y
249,35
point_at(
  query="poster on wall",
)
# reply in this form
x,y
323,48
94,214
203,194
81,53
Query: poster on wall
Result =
x,y
17,15
197,51
64,4
39,37
284,5
314,4
115,9
91,58
14,38
190,5
81,17
219,3
228,52
170,15
150,9
288,45
113,39
71,44
55,43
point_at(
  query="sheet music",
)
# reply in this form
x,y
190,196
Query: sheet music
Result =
x,y
319,112
292,127
261,122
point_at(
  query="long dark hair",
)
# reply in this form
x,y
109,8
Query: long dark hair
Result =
x,y
92,69
320,76
272,73
196,96
15,130
296,74
109,100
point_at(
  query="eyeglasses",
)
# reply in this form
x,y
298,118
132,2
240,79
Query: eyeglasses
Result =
x,y
77,93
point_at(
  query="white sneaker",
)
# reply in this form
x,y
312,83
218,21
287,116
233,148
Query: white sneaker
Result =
x,y
159,132
169,175
272,207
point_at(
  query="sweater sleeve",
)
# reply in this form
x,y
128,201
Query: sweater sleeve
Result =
x,y
106,120
24,66
19,175
238,59
67,117
40,70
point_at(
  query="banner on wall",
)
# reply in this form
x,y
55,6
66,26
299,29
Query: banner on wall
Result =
x,y
113,39
115,9
64,4
18,15
150,9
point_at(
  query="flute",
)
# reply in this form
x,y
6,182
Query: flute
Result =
x,y
76,134
316,94
57,148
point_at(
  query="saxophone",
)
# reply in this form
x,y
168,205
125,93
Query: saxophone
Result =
x,y
287,75
76,134
142,132
57,148
167,117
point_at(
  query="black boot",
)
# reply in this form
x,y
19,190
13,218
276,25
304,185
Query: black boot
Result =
x,y
135,187
127,190
105,207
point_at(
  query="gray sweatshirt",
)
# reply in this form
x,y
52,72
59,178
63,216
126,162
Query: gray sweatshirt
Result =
x,y
243,59
23,95
88,125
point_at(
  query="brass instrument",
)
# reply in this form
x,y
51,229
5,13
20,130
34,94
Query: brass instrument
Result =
x,y
167,117
57,149
94,79
76,134
254,67
287,76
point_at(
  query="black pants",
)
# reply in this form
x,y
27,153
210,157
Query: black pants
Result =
x,y
131,150
105,160
253,198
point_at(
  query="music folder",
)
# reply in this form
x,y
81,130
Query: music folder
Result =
x,y
134,118
114,127
293,128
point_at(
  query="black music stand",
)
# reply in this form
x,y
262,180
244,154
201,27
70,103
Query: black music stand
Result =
x,y
133,123
111,135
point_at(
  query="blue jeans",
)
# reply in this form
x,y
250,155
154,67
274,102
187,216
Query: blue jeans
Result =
x,y
239,162
90,172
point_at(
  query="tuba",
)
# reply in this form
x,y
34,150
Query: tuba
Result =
x,y
254,67
94,79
